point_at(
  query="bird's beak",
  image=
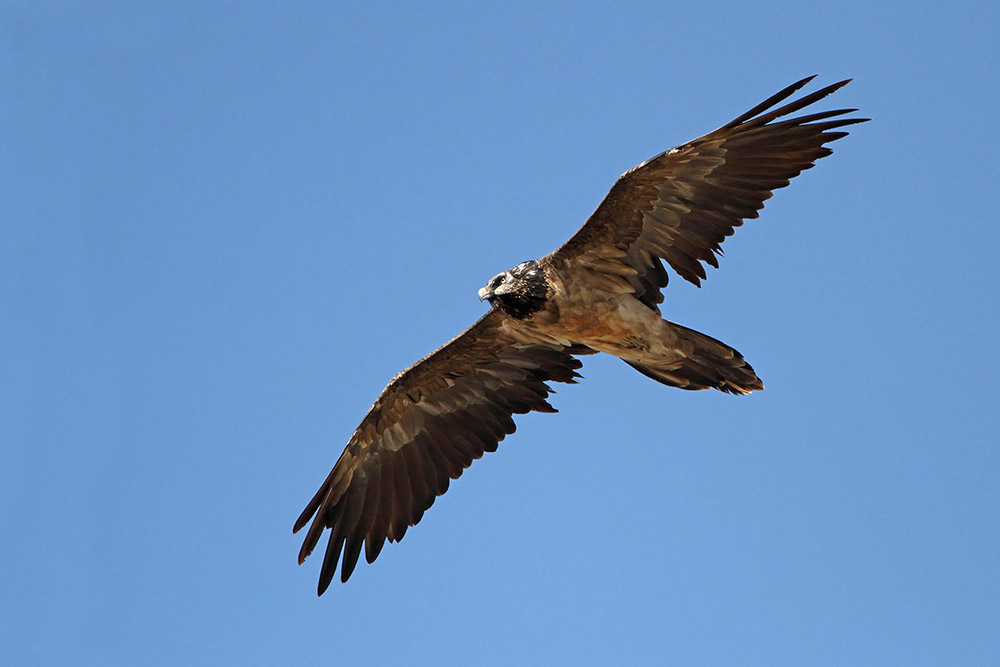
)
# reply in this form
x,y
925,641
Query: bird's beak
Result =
x,y
484,293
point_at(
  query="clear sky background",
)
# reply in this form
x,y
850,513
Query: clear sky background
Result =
x,y
225,226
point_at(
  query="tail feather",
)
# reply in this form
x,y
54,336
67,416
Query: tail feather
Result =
x,y
707,364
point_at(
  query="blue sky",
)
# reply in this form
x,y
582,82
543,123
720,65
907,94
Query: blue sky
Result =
x,y
227,225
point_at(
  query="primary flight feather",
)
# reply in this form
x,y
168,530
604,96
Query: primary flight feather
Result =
x,y
599,292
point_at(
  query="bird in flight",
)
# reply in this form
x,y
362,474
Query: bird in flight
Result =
x,y
598,292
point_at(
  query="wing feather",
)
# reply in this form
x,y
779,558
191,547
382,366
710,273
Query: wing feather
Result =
x,y
682,204
380,528
428,425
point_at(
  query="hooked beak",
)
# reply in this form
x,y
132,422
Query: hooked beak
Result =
x,y
484,293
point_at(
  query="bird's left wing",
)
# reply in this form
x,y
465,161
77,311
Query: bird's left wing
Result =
x,y
426,427
682,204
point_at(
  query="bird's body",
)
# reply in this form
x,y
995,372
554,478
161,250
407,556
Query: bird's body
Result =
x,y
598,292
601,313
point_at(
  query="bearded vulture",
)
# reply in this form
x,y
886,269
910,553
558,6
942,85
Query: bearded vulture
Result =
x,y
599,292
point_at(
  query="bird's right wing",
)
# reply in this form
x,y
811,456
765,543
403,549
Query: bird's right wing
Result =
x,y
426,427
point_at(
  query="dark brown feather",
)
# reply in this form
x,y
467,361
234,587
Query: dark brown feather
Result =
x,y
427,426
680,205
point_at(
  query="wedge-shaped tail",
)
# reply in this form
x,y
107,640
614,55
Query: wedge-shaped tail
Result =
x,y
707,364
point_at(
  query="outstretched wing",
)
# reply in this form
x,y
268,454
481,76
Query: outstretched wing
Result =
x,y
426,427
682,204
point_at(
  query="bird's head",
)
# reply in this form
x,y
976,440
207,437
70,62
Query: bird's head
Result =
x,y
519,292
